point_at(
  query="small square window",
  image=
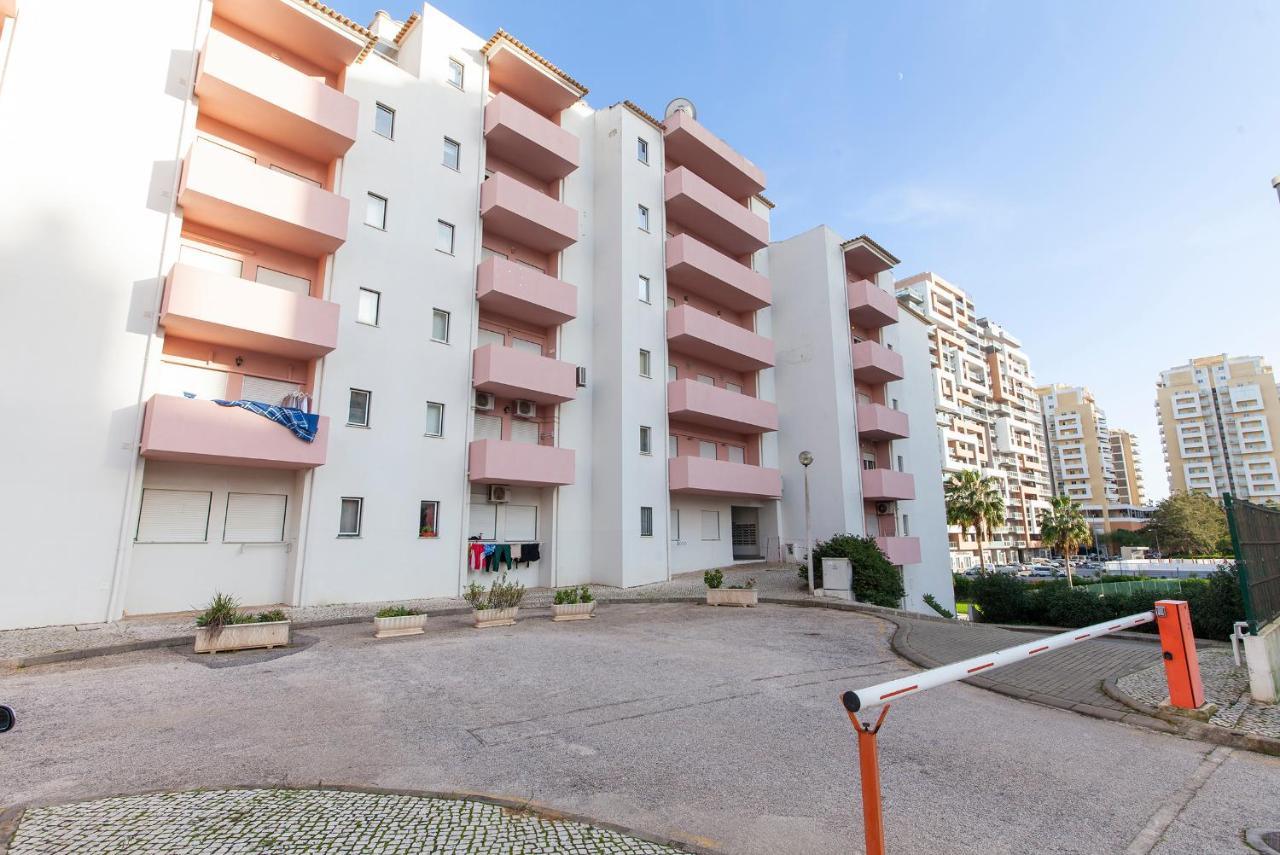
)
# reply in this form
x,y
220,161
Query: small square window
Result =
x,y
675,524
444,237
375,212
644,289
428,516
646,446
384,121
673,446
350,516
358,408
435,419
646,522
710,525
440,326
456,72
452,154
642,150
643,217
367,309
646,369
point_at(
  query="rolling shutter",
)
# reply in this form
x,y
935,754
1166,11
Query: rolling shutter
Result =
x,y
488,427
267,391
254,518
483,521
525,432
174,516
521,523
284,281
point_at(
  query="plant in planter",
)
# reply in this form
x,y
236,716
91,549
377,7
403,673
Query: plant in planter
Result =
x,y
394,621
221,626
496,606
744,594
573,604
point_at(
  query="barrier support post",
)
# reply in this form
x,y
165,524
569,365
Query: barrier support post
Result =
x,y
869,768
1178,648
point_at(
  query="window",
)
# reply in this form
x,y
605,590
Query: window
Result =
x,y
901,468
444,237
733,387
906,526
173,516
642,150
428,511
645,368
452,154
643,214
384,121
440,326
349,517
710,525
646,522
435,419
375,212
646,445
737,454
673,446
456,72
644,289
675,524
210,258
284,281
358,408
254,518
367,309
671,373
706,449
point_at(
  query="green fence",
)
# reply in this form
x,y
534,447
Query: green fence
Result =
x,y
1255,539
1153,586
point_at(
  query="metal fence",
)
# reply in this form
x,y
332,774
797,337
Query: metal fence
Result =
x,y
1153,586
1255,539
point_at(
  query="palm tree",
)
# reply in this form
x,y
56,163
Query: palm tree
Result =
x,y
1063,526
974,502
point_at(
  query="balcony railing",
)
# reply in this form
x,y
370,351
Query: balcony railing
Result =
x,y
528,140
520,291
512,373
198,431
706,336
704,404
519,212
496,461
708,477
707,272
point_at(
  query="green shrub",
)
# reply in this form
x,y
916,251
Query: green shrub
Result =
x,y
963,587
1000,598
713,578
933,603
273,616
585,595
501,594
567,597
397,611
223,610
745,586
875,580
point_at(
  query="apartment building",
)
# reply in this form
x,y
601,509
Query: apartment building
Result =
x,y
1126,463
856,364
1217,416
987,415
1081,466
347,305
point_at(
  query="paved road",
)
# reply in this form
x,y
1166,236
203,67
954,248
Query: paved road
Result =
x,y
714,726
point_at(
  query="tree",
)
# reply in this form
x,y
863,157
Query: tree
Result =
x,y
974,502
1188,524
1064,528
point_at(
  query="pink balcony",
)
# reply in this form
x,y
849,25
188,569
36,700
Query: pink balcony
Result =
x,y
698,268
871,307
704,404
496,461
864,258
225,189
262,95
528,139
887,485
514,71
519,291
300,28
708,477
519,212
220,309
878,422
8,9
900,550
875,363
705,336
195,431
707,212
690,144
513,373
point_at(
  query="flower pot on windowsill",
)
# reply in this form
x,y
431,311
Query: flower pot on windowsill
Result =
x,y
393,627
242,636
495,617
573,611
732,596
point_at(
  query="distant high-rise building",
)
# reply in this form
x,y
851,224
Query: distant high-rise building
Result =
x,y
1217,418
1126,460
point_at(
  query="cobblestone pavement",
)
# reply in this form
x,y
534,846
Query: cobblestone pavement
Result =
x,y
1225,684
206,822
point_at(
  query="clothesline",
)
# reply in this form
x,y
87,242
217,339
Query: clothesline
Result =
x,y
488,556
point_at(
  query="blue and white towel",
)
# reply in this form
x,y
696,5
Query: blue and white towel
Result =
x,y
303,425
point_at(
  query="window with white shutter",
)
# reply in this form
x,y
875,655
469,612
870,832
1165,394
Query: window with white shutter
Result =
x,y
175,379
710,525
174,516
491,337
520,523
526,345
524,431
706,450
488,427
483,522
284,281
267,391
737,454
254,518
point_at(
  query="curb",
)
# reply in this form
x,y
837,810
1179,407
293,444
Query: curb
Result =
x,y
10,818
1195,729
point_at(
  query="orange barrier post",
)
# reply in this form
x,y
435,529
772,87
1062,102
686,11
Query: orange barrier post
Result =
x,y
869,766
1178,646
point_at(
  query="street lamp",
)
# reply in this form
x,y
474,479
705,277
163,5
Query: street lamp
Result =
x,y
805,459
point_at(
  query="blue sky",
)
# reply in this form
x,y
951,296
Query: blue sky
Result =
x,y
1096,175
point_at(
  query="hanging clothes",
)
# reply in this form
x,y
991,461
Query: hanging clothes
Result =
x,y
477,556
502,552
488,556
516,553
529,552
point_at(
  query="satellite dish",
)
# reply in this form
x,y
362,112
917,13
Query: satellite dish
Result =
x,y
680,105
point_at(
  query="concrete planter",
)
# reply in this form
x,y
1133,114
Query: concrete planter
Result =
x,y
732,596
392,627
242,636
494,617
573,611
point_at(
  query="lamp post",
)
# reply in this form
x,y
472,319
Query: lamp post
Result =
x,y
805,459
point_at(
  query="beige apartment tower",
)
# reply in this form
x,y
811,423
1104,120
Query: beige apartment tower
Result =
x,y
1126,462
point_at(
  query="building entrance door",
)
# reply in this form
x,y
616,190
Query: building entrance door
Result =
x,y
746,536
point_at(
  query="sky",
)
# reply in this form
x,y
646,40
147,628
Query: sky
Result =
x,y
1096,175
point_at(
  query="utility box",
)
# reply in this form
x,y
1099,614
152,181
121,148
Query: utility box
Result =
x,y
837,578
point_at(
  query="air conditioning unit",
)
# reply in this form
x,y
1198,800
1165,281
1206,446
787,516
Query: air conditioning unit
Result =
x,y
886,508
499,493
582,375
526,409
484,400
